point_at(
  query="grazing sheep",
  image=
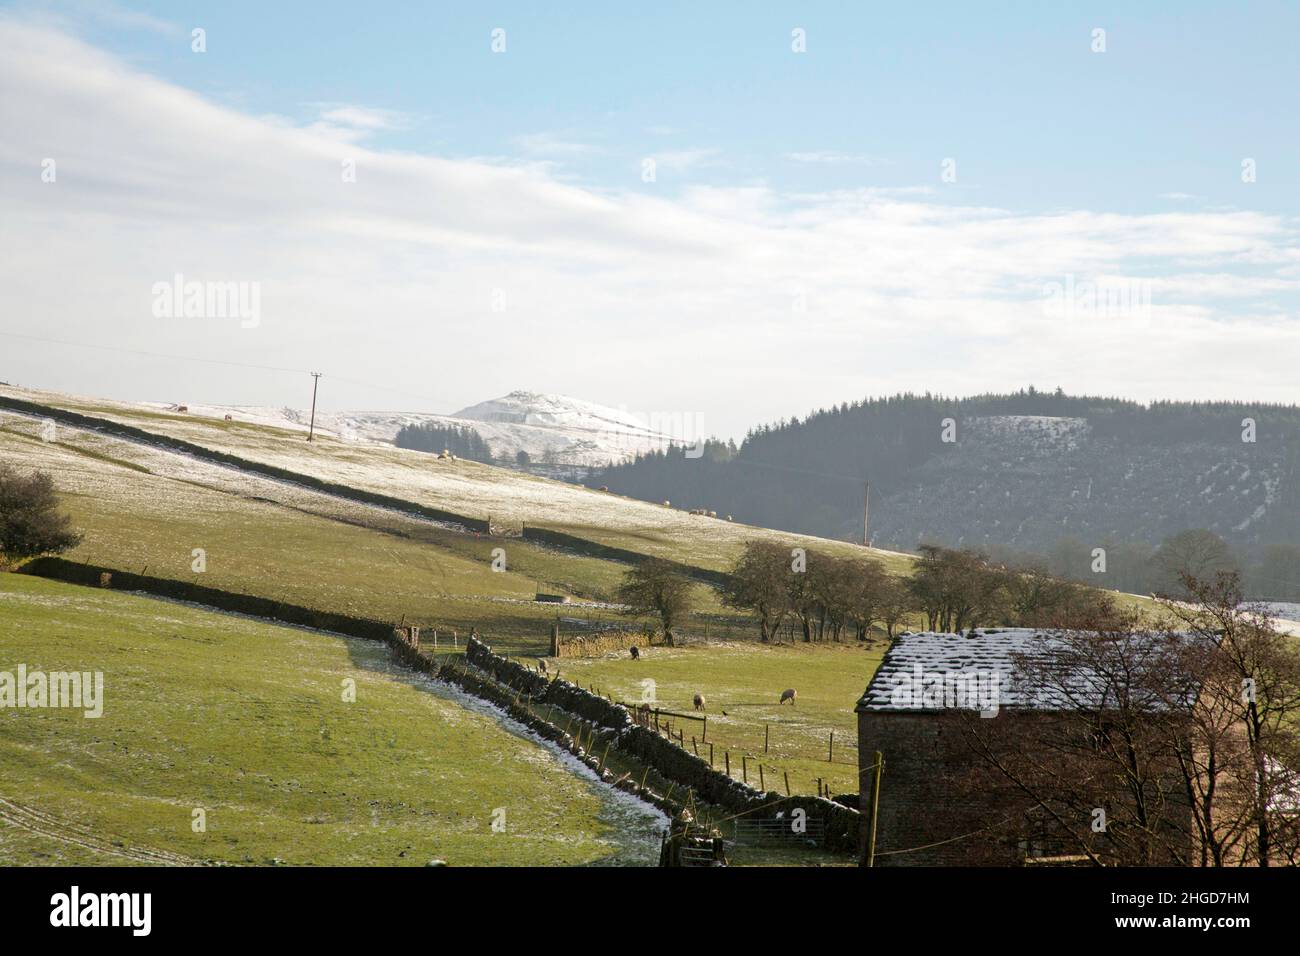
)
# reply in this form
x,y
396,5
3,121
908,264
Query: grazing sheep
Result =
x,y
541,664
788,694
713,514
699,701
728,517
182,408
636,653
604,487
667,503
230,418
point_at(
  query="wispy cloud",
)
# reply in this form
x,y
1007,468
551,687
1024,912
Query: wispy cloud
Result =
x,y
836,158
682,160
105,12
821,296
553,144
350,122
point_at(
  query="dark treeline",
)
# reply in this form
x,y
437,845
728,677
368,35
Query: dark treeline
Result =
x,y
806,475
463,442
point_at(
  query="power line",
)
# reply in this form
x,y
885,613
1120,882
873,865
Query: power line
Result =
x,y
174,358
208,361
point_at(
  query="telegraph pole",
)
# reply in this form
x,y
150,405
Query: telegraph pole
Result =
x,y
311,429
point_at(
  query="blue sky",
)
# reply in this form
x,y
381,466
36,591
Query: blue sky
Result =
x,y
808,178
1012,91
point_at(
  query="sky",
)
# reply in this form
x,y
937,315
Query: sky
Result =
x,y
726,213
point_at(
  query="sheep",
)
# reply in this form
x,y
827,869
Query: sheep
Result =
x,y
667,503
230,418
541,664
728,517
713,514
604,487
636,653
182,408
699,701
788,694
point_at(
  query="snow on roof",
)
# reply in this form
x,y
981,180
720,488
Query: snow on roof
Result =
x,y
980,670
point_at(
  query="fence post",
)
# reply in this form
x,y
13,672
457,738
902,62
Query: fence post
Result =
x,y
869,858
695,747
787,782
767,733
830,754
744,768
726,755
710,756
704,734
762,785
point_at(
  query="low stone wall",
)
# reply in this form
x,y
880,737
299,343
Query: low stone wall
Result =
x,y
131,433
841,824
92,575
598,645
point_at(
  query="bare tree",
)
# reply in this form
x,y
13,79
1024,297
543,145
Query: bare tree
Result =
x,y
656,587
760,582
1252,676
1197,554
957,588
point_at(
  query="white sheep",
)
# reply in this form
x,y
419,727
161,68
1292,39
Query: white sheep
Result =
x,y
699,701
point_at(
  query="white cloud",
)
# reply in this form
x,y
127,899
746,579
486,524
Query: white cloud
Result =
x,y
552,144
651,297
682,160
835,158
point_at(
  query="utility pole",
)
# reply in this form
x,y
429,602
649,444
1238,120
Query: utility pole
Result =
x,y
866,514
311,429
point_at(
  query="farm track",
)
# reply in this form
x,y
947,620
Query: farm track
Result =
x,y
51,827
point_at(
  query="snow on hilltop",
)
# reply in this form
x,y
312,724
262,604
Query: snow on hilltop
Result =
x,y
553,430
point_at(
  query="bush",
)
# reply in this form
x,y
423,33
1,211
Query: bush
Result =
x,y
30,522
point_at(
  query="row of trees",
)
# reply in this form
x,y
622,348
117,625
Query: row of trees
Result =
x,y
952,589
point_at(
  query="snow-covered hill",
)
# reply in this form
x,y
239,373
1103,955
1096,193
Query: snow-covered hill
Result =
x,y
554,430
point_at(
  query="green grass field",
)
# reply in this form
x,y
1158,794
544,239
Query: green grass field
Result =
x,y
465,487
745,681
138,514
242,719
247,722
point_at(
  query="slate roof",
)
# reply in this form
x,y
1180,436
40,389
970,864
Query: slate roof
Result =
x,y
930,671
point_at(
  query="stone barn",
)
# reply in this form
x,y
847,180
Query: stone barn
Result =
x,y
936,709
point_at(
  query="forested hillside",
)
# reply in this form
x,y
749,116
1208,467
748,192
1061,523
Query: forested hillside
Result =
x,y
1032,472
